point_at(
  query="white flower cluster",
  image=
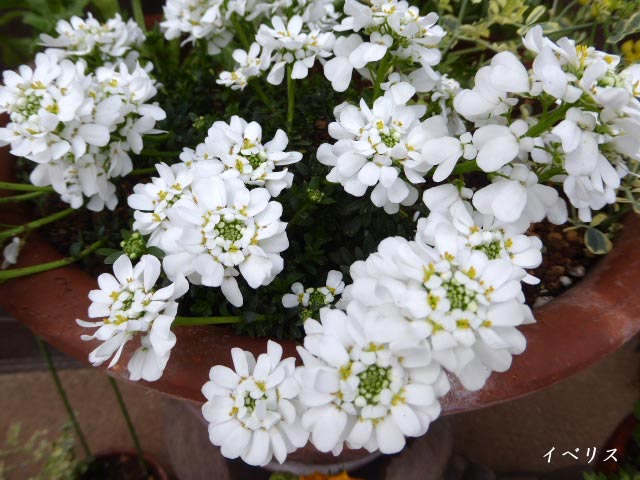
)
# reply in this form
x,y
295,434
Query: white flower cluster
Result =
x,y
237,149
79,125
310,300
109,41
390,148
588,151
306,35
203,215
200,19
129,304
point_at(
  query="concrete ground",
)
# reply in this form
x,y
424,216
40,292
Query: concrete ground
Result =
x,y
579,412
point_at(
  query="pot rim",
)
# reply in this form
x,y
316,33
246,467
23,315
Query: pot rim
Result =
x,y
149,458
593,318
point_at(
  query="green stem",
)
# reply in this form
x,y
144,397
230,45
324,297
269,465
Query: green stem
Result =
x,y
548,121
41,222
261,93
572,28
481,42
193,321
463,9
291,96
63,395
157,153
239,28
23,187
138,14
380,76
132,430
45,267
142,171
466,167
22,197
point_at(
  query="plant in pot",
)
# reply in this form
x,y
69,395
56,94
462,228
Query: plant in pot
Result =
x,y
57,459
358,178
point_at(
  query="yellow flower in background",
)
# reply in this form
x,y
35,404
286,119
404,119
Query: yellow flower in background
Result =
x,y
631,51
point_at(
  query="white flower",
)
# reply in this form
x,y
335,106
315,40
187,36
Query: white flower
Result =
x,y
480,232
199,20
78,126
489,98
363,386
288,44
81,37
450,295
238,146
315,297
375,146
393,26
223,225
498,145
248,65
128,304
339,69
591,180
516,196
152,200
10,253
253,413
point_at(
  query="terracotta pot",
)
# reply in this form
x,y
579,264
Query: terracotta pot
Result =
x,y
155,467
620,440
595,317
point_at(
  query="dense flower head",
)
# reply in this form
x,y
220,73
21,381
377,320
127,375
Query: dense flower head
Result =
x,y
78,126
198,19
129,304
236,148
363,385
465,302
109,41
292,43
311,299
253,412
387,147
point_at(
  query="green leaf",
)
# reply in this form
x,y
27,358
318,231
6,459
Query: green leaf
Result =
x,y
597,242
535,14
106,8
598,219
156,252
111,259
625,27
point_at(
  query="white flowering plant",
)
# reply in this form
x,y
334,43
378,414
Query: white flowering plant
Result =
x,y
363,177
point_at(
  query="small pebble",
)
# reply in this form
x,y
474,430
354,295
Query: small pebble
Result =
x,y
565,281
578,272
540,301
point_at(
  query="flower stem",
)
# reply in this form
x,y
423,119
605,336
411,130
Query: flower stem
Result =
x,y
548,121
380,76
132,430
138,14
263,96
193,321
41,222
24,187
22,197
44,267
291,95
466,167
239,28
63,395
